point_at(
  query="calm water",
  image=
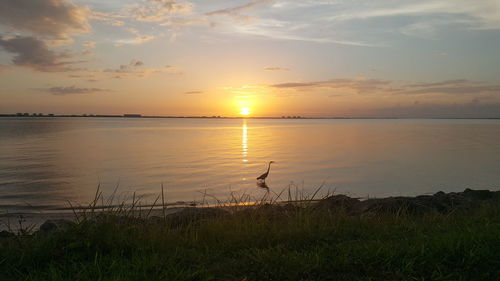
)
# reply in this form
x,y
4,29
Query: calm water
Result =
x,y
44,162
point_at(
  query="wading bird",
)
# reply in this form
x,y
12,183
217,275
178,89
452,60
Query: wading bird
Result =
x,y
264,175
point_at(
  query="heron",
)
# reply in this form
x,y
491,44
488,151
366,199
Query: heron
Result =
x,y
264,175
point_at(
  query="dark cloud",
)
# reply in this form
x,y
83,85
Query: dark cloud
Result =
x,y
132,67
193,93
376,86
126,68
34,53
276,68
454,90
458,86
136,63
442,83
359,85
295,85
72,90
54,18
135,69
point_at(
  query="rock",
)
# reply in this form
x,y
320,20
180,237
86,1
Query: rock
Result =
x,y
439,202
50,227
338,202
478,194
6,234
389,205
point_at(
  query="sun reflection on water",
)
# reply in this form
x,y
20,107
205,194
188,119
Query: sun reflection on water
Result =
x,y
244,141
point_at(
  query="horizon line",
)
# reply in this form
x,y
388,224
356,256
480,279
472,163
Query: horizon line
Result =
x,y
50,115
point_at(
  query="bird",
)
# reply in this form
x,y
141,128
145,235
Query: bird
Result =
x,y
264,175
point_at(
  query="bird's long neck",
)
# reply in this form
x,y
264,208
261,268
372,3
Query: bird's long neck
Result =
x,y
268,167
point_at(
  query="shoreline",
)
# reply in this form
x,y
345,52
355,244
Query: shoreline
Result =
x,y
438,202
445,236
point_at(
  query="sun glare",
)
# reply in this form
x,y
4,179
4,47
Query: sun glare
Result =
x,y
245,111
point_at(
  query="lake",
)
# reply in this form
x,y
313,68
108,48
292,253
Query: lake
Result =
x,y
46,162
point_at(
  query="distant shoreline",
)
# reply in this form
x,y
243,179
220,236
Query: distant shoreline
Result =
x,y
39,115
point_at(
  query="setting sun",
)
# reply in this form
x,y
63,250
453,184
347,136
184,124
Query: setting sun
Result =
x,y
245,111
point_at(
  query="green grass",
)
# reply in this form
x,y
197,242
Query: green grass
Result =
x,y
264,244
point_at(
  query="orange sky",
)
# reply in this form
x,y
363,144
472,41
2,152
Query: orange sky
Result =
x,y
316,58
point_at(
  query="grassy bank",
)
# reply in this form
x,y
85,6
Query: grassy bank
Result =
x,y
268,242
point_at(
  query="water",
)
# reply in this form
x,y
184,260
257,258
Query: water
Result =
x,y
46,162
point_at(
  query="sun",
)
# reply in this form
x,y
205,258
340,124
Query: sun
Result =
x,y
245,111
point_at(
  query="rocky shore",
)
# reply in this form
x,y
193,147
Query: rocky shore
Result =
x,y
444,236
439,202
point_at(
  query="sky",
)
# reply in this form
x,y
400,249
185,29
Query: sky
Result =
x,y
314,58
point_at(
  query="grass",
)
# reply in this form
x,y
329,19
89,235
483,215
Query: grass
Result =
x,y
265,242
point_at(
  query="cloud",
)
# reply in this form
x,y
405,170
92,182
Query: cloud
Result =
x,y
456,87
131,67
276,68
362,97
456,82
72,90
385,87
136,68
483,14
51,18
187,22
356,85
34,53
109,18
235,12
295,85
158,10
273,22
273,26
139,38
90,77
57,42
364,23
89,44
193,92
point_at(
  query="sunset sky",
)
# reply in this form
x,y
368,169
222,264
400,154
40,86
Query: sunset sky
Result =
x,y
364,58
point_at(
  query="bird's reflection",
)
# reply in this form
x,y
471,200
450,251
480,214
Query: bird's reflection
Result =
x,y
262,184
